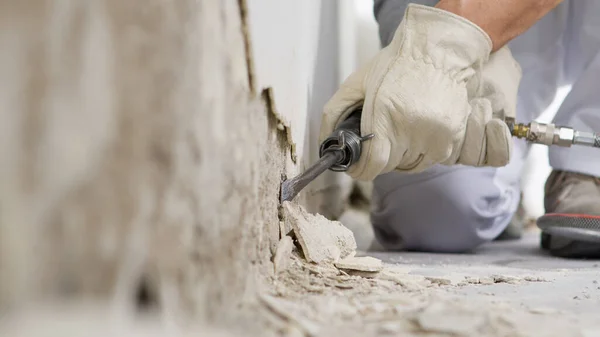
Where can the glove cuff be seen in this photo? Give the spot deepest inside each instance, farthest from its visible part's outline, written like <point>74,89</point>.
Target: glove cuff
<point>448,41</point>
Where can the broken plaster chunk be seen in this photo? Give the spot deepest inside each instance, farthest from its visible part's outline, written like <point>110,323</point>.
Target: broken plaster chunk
<point>486,280</point>
<point>505,279</point>
<point>321,240</point>
<point>365,263</point>
<point>283,253</point>
<point>405,280</point>
<point>281,229</point>
<point>365,274</point>
<point>472,280</point>
<point>439,281</point>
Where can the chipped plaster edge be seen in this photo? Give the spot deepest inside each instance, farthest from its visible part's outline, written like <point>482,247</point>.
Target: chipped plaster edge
<point>283,125</point>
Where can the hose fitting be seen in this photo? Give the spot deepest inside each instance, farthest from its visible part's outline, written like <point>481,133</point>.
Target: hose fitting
<point>550,134</point>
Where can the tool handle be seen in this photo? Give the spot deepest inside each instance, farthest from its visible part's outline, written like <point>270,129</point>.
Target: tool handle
<point>352,123</point>
<point>345,140</point>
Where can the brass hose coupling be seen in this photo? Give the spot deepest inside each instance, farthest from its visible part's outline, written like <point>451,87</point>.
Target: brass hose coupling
<point>550,134</point>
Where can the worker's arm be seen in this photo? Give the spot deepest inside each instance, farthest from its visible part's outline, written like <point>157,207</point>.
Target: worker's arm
<point>502,20</point>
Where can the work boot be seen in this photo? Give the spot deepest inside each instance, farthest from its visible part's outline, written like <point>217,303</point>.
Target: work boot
<point>571,193</point>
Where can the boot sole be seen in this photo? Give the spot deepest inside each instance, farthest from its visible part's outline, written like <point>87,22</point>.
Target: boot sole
<point>578,227</point>
<point>566,248</point>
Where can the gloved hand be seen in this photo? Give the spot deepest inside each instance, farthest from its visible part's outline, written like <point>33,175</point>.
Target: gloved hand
<point>428,98</point>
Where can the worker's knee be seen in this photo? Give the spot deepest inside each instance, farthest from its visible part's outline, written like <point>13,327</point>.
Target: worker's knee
<point>446,210</point>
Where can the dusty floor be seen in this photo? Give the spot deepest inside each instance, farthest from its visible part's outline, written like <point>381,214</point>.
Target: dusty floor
<point>572,285</point>
<point>504,289</point>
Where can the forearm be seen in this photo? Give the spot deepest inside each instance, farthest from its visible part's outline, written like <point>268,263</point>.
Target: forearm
<point>502,20</point>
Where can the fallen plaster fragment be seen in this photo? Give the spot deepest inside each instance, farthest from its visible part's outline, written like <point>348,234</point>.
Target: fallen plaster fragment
<point>321,240</point>
<point>282,124</point>
<point>320,270</point>
<point>486,280</point>
<point>499,279</point>
<point>505,279</point>
<point>365,274</point>
<point>281,230</point>
<point>468,280</point>
<point>439,281</point>
<point>369,307</point>
<point>283,253</point>
<point>443,319</point>
<point>339,284</point>
<point>407,281</point>
<point>365,263</point>
<point>473,280</point>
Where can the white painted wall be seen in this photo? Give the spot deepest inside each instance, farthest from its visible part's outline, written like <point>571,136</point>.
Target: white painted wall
<point>295,48</point>
<point>285,36</point>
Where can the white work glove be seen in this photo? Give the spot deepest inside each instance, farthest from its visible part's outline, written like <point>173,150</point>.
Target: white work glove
<point>428,99</point>
<point>501,77</point>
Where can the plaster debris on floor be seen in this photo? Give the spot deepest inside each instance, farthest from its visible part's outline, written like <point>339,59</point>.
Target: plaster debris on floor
<point>328,288</point>
<point>321,239</point>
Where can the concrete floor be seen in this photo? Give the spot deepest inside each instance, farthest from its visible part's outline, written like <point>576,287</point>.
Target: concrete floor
<point>570,286</point>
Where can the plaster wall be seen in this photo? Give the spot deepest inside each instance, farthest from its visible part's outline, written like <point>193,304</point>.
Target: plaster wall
<point>138,167</point>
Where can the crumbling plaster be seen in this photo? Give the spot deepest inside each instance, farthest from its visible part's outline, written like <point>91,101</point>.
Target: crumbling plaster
<point>141,148</point>
<point>133,151</point>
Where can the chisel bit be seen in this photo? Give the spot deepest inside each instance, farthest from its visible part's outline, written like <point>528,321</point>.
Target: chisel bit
<point>337,153</point>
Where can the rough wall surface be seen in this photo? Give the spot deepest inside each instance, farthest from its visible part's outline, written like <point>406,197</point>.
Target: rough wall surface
<point>133,151</point>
